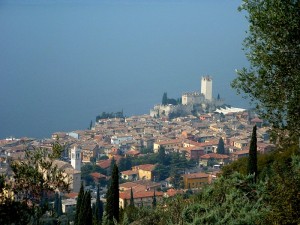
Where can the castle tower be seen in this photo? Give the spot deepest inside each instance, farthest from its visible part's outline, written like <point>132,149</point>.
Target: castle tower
<point>206,87</point>
<point>76,158</point>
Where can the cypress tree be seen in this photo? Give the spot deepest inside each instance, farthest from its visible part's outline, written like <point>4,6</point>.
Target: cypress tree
<point>131,198</point>
<point>98,208</point>
<point>154,200</point>
<point>79,203</point>
<point>252,160</point>
<point>221,147</point>
<point>59,207</point>
<point>86,216</point>
<point>112,204</point>
<point>164,99</point>
<point>56,202</point>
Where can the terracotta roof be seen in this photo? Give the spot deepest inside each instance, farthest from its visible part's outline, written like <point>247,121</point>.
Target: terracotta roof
<point>129,172</point>
<point>172,192</point>
<point>71,195</point>
<point>140,194</point>
<point>215,156</point>
<point>196,175</point>
<point>128,185</point>
<point>104,164</point>
<point>173,141</point>
<point>132,152</point>
<point>146,167</point>
<point>256,120</point>
<point>241,152</point>
<point>97,175</point>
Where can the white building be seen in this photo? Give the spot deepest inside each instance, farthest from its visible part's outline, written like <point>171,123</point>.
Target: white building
<point>76,158</point>
<point>206,87</point>
<point>192,98</point>
<point>116,140</point>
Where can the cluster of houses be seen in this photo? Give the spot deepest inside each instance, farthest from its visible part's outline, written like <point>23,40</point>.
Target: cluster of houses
<point>196,137</point>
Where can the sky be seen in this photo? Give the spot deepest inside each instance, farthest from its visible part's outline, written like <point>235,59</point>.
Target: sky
<point>64,62</point>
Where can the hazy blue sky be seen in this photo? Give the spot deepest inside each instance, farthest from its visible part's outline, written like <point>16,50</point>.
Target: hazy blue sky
<point>62,63</point>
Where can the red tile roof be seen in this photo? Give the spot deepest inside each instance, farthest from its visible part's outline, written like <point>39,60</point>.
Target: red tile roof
<point>140,194</point>
<point>145,167</point>
<point>196,175</point>
<point>214,156</point>
<point>98,175</point>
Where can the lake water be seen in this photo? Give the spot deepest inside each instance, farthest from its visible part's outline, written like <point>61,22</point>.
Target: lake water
<point>63,62</point>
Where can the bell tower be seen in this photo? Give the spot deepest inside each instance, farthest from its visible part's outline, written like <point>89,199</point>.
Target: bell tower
<point>76,158</point>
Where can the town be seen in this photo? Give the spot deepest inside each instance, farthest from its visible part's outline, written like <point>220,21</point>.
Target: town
<point>157,156</point>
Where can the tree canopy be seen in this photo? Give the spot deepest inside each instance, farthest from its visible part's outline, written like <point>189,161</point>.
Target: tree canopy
<point>273,50</point>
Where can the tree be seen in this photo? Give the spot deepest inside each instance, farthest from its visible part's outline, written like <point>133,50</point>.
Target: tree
<point>98,213</point>
<point>273,50</point>
<point>112,204</point>
<point>35,177</point>
<point>78,204</point>
<point>162,158</point>
<point>164,99</point>
<point>91,125</point>
<point>252,160</point>
<point>131,198</point>
<point>85,215</point>
<point>154,200</point>
<point>112,164</point>
<point>59,208</point>
<point>221,147</point>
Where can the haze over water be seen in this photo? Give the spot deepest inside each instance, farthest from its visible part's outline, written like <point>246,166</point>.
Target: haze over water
<point>62,63</point>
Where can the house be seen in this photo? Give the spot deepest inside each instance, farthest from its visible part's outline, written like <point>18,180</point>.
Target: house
<point>68,205</point>
<point>132,153</point>
<point>73,176</point>
<point>194,152</point>
<point>195,180</point>
<point>88,152</point>
<point>140,198</point>
<point>239,154</point>
<point>145,171</point>
<point>256,121</point>
<point>129,175</point>
<point>241,144</point>
<point>217,158</point>
<point>97,177</point>
<point>265,148</point>
<point>169,145</point>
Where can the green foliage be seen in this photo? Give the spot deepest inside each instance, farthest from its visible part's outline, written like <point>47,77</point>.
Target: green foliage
<point>146,150</point>
<point>284,188</point>
<point>91,125</point>
<point>98,213</point>
<point>273,50</point>
<point>106,115</point>
<point>131,198</point>
<point>87,169</point>
<point>85,216</point>
<point>79,204</point>
<point>232,200</point>
<point>57,205</point>
<point>112,204</point>
<point>34,178</point>
<point>252,159</point>
<point>164,99</point>
<point>154,200</point>
<point>221,147</point>
<point>125,164</point>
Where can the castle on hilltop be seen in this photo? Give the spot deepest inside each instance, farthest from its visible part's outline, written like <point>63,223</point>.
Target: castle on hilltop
<point>191,103</point>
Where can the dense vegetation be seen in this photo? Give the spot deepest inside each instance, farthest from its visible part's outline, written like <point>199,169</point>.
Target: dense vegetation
<point>273,50</point>
<point>234,198</point>
<point>105,115</point>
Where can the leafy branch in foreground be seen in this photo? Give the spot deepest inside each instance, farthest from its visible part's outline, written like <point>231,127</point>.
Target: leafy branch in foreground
<point>273,50</point>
